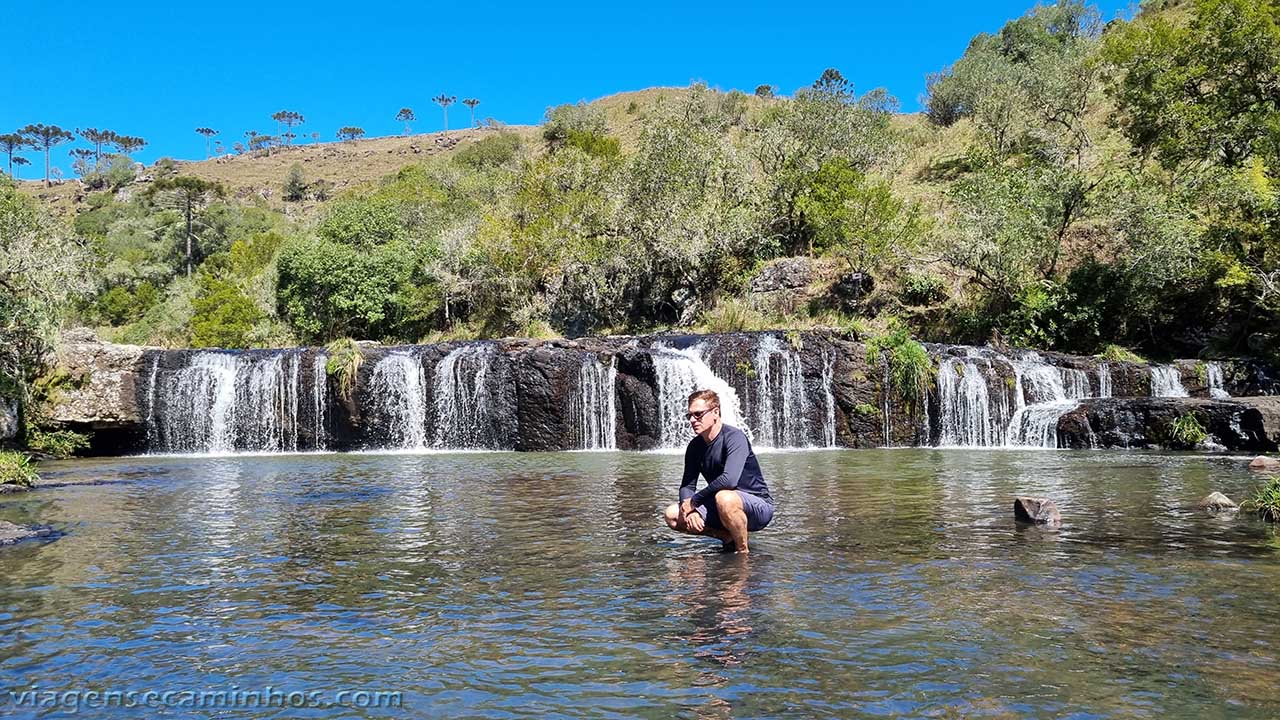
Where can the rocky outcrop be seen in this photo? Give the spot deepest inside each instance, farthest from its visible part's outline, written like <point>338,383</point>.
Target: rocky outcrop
<point>10,533</point>
<point>1216,502</point>
<point>8,420</point>
<point>532,392</point>
<point>1037,511</point>
<point>1250,424</point>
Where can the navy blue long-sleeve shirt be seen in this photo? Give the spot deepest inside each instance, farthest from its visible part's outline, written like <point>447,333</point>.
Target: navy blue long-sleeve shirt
<point>728,463</point>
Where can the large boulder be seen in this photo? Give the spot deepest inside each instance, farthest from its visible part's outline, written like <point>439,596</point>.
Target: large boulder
<point>1037,511</point>
<point>100,387</point>
<point>1262,463</point>
<point>1216,502</point>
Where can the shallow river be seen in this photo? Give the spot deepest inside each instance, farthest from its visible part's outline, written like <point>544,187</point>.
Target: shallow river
<point>891,583</point>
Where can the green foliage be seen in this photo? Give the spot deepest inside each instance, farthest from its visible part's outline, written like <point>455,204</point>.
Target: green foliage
<point>224,317</point>
<point>16,469</point>
<point>327,289</point>
<point>910,369</point>
<point>1185,431</point>
<point>295,184</point>
<point>794,339</point>
<point>1116,353</point>
<point>251,255</point>
<point>866,410</point>
<point>345,359</point>
<point>923,288</point>
<point>490,152</point>
<point>57,444</point>
<point>580,125</point>
<point>1265,501</point>
<point>729,316</point>
<point>367,220</point>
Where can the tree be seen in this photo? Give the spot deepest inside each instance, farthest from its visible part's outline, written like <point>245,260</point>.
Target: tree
<point>98,138</point>
<point>315,137</point>
<point>295,184</point>
<point>350,132</point>
<point>42,269</point>
<point>189,193</point>
<point>208,134</point>
<point>289,120</point>
<point>472,103</point>
<point>19,161</point>
<point>128,144</point>
<point>444,101</point>
<point>765,91</point>
<point>45,137</point>
<point>406,116</point>
<point>224,317</point>
<point>1203,92</point>
<point>80,160</point>
<point>11,143</point>
<point>832,82</point>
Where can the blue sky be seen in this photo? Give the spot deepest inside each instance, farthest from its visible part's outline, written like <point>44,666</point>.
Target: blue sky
<point>159,70</point>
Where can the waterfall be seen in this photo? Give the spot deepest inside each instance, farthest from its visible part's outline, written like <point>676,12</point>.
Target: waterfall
<point>1213,378</point>
<point>1045,393</point>
<point>1166,382</point>
<point>965,416</point>
<point>152,439</point>
<point>829,396</point>
<point>1104,380</point>
<point>782,406</point>
<point>596,404</point>
<point>886,406</point>
<point>319,393</point>
<point>398,386</point>
<point>679,373</point>
<point>199,405</point>
<point>463,405</point>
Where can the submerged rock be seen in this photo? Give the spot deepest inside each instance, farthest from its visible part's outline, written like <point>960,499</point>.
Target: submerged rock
<point>1216,502</point>
<point>1037,511</point>
<point>10,533</point>
<point>1262,463</point>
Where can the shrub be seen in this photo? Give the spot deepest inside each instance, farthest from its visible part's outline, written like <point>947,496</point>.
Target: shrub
<point>923,288</point>
<point>1265,501</point>
<point>344,364</point>
<point>1116,353</point>
<point>493,151</point>
<point>295,184</point>
<point>730,316</point>
<point>910,369</point>
<point>1185,432</point>
<point>15,469</point>
<point>866,409</point>
<point>58,444</point>
<point>224,316</point>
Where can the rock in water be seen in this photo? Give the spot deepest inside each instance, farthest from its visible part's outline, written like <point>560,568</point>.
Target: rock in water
<point>1262,463</point>
<point>1036,511</point>
<point>10,533</point>
<point>1216,502</point>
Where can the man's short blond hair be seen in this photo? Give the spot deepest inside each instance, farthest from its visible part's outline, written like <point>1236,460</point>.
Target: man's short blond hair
<point>708,396</point>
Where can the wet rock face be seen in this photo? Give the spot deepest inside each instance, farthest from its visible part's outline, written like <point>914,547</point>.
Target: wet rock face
<point>10,533</point>
<point>101,391</point>
<point>1250,424</point>
<point>8,420</point>
<point>1037,511</point>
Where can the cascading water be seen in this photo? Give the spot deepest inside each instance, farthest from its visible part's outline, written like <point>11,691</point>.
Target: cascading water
<point>829,396</point>
<point>596,404</point>
<point>782,406</point>
<point>679,373</point>
<point>319,394</point>
<point>463,405</point>
<point>1213,378</point>
<point>1166,382</point>
<point>1047,393</point>
<point>199,405</point>
<point>398,385</point>
<point>152,439</point>
<point>965,416</point>
<point>1104,380</point>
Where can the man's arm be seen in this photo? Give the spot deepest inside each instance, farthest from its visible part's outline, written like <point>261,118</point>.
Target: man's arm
<point>736,451</point>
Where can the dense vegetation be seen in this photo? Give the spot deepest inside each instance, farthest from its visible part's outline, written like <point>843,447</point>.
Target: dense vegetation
<point>1071,185</point>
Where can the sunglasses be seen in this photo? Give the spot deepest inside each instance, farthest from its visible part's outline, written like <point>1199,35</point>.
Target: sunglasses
<point>698,415</point>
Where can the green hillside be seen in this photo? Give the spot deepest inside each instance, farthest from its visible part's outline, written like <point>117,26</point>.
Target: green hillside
<point>1071,186</point>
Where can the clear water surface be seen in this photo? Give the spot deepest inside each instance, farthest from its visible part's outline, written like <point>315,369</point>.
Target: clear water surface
<point>892,583</point>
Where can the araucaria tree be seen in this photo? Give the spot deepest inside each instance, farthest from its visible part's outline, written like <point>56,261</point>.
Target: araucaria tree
<point>445,101</point>
<point>11,143</point>
<point>406,116</point>
<point>45,137</point>
<point>289,120</point>
<point>350,132</point>
<point>208,134</point>
<point>97,138</point>
<point>128,144</point>
<point>189,193</point>
<point>472,103</point>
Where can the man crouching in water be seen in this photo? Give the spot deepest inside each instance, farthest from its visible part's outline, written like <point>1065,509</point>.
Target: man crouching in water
<point>736,500</point>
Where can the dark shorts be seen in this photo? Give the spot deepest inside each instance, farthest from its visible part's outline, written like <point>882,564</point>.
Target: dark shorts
<point>758,511</point>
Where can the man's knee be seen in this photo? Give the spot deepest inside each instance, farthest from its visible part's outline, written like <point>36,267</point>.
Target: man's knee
<point>728,501</point>
<point>672,515</point>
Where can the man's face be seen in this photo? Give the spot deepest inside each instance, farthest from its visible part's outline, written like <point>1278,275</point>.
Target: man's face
<point>701,416</point>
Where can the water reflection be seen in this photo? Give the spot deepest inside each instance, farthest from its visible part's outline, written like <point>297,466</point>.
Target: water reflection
<point>892,582</point>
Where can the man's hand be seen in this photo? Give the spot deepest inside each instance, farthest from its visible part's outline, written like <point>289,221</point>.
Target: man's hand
<point>692,518</point>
